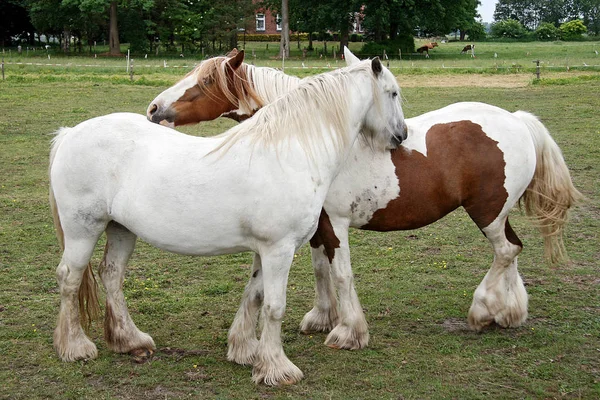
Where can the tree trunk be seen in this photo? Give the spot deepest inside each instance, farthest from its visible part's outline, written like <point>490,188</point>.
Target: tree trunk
<point>113,34</point>
<point>67,39</point>
<point>284,46</point>
<point>463,33</point>
<point>344,39</point>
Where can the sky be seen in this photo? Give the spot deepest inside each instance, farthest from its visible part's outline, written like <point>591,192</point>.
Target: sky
<point>486,10</point>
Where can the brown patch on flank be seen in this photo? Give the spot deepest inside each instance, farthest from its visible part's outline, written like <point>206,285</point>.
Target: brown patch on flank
<point>463,167</point>
<point>325,236</point>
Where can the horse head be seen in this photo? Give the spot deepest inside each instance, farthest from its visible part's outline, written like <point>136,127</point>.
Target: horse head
<point>386,122</point>
<point>202,95</point>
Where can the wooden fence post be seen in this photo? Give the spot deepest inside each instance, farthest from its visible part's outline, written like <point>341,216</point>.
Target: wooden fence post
<point>537,68</point>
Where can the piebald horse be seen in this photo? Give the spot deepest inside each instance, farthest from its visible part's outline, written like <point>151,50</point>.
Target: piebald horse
<point>473,155</point>
<point>258,187</point>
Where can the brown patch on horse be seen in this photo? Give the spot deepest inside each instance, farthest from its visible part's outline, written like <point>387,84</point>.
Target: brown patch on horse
<point>463,167</point>
<point>325,236</point>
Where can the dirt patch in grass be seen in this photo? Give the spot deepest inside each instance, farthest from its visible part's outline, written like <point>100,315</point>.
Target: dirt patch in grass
<point>477,80</point>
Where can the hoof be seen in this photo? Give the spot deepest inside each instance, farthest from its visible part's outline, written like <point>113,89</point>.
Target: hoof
<point>141,356</point>
<point>318,321</point>
<point>348,338</point>
<point>276,374</point>
<point>242,353</point>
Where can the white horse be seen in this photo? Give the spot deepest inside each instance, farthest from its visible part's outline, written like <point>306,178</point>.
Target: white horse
<point>259,186</point>
<point>473,155</point>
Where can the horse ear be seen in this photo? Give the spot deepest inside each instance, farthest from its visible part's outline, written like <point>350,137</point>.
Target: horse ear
<point>350,58</point>
<point>232,53</point>
<point>235,61</point>
<point>376,66</point>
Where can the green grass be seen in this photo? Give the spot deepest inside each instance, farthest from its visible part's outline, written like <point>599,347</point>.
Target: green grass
<point>415,286</point>
<point>512,58</point>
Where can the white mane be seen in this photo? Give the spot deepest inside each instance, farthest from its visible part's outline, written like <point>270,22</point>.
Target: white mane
<point>316,103</point>
<point>269,83</point>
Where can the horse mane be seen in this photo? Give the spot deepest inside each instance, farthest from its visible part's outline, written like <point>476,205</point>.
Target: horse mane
<point>269,83</point>
<point>253,87</point>
<point>317,102</point>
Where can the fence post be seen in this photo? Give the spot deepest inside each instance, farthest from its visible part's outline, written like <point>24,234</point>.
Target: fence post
<point>537,68</point>
<point>131,69</point>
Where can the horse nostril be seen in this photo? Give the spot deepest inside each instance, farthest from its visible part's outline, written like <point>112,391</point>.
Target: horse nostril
<point>152,109</point>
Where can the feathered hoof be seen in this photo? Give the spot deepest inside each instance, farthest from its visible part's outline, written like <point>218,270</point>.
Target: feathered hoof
<point>348,338</point>
<point>479,319</point>
<point>137,343</point>
<point>78,348</point>
<point>242,352</point>
<point>318,321</point>
<point>511,317</point>
<point>280,372</point>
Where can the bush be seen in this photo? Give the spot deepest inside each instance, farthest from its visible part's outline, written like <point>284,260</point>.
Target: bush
<point>547,31</point>
<point>405,43</point>
<point>508,28</point>
<point>572,30</point>
<point>476,32</point>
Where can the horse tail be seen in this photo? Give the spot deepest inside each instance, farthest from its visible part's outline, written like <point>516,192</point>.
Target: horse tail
<point>550,193</point>
<point>89,306</point>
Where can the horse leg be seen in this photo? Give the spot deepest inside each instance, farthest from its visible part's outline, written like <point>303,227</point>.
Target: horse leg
<point>120,332</point>
<point>242,342</point>
<point>352,331</point>
<point>501,296</point>
<point>323,316</point>
<point>271,365</point>
<point>70,341</point>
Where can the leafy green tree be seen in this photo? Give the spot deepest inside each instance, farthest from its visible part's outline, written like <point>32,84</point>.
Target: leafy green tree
<point>572,30</point>
<point>15,22</point>
<point>547,31</point>
<point>508,28</point>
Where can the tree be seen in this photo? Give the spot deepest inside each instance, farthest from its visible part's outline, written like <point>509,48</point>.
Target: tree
<point>572,30</point>
<point>15,22</point>
<point>284,45</point>
<point>547,31</point>
<point>508,28</point>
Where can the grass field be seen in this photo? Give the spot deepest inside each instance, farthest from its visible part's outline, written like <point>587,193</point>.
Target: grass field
<point>491,58</point>
<point>415,287</point>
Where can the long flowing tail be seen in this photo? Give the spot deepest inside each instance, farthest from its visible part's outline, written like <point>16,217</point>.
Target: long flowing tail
<point>551,192</point>
<point>89,306</point>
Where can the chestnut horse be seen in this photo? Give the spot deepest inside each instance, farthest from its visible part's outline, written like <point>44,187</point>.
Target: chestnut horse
<point>473,155</point>
<point>258,187</point>
<point>426,48</point>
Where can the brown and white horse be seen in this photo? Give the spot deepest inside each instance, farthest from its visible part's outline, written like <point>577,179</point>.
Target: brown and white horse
<point>473,155</point>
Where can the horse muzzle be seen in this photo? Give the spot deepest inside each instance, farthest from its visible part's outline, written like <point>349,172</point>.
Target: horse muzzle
<point>399,136</point>
<point>159,115</point>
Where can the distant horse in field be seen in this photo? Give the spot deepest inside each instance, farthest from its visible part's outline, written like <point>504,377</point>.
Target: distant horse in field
<point>426,48</point>
<point>258,187</point>
<point>473,155</point>
<point>468,47</point>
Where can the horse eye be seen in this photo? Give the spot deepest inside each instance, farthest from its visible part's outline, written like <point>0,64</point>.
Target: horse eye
<point>394,94</point>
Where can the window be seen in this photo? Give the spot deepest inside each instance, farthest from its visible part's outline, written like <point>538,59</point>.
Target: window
<point>278,20</point>
<point>260,22</point>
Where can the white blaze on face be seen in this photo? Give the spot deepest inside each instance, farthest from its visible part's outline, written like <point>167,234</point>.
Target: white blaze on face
<point>171,95</point>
